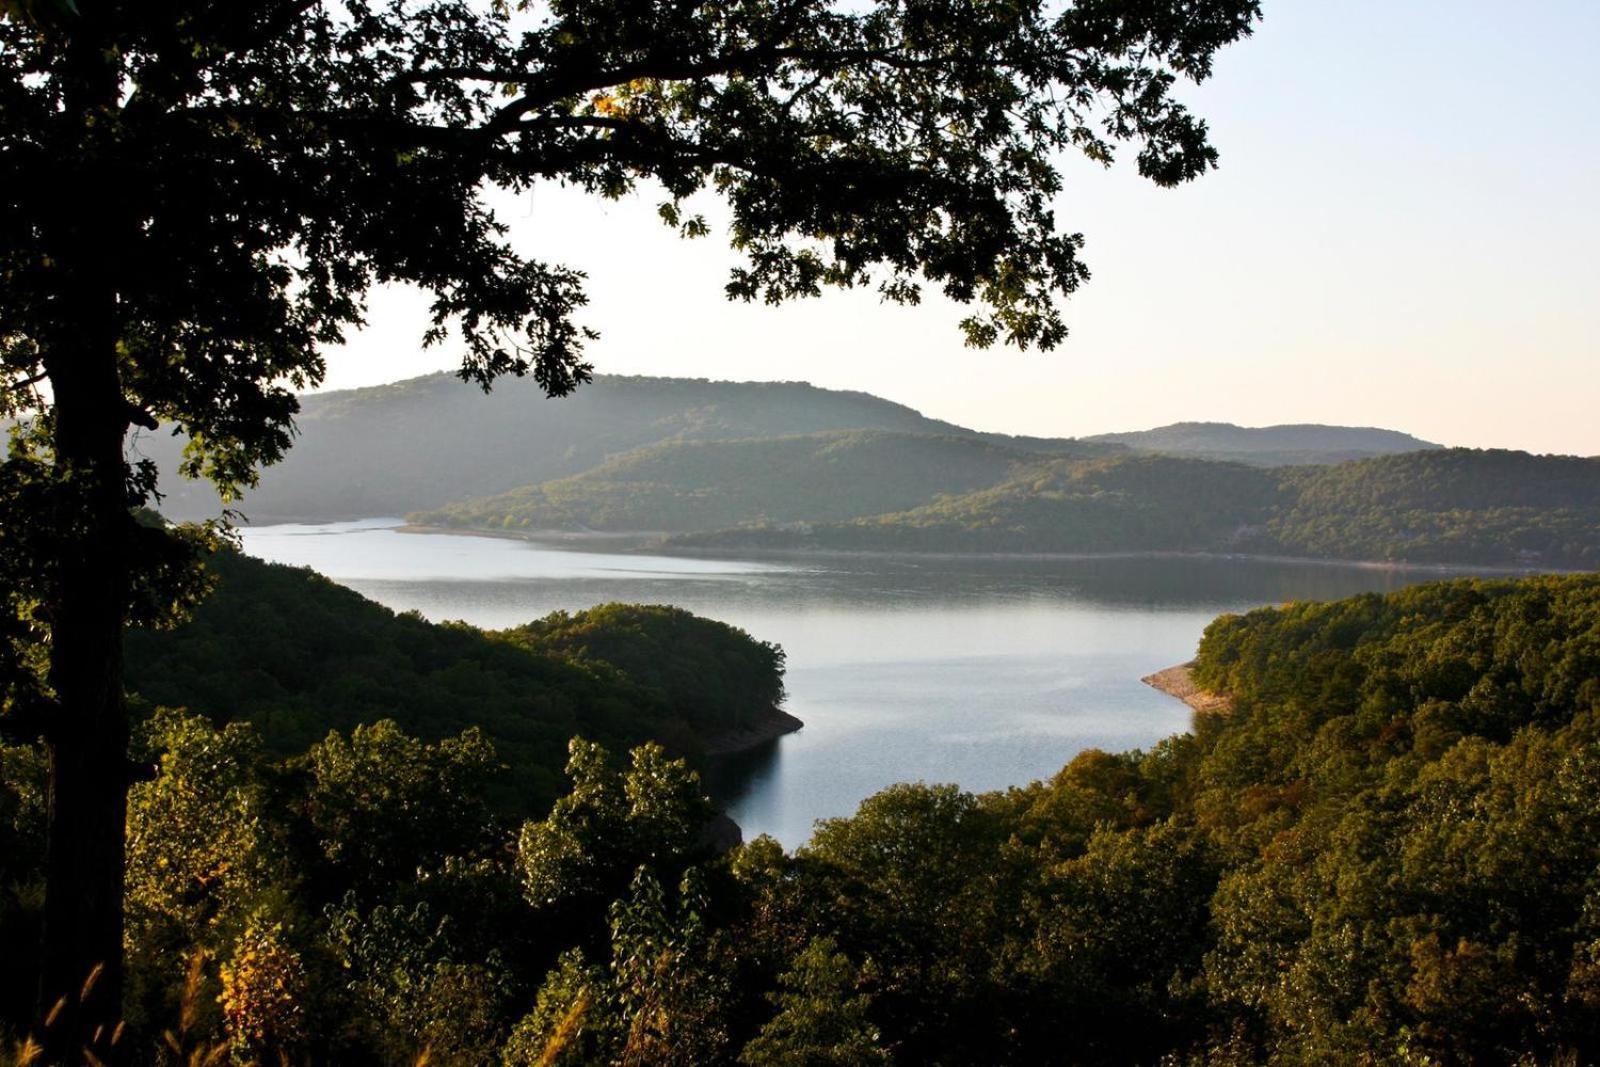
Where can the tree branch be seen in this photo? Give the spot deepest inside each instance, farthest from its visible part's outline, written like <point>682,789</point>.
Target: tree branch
<point>26,383</point>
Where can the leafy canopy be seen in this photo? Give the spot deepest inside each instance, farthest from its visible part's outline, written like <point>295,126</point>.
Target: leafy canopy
<point>257,166</point>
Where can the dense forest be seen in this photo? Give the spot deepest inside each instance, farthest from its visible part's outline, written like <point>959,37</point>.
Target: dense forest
<point>1456,505</point>
<point>430,441</point>
<point>699,485</point>
<point>730,465</point>
<point>1129,503</point>
<point>1447,506</point>
<point>296,655</point>
<point>785,465</point>
<point>422,444</point>
<point>1383,850</point>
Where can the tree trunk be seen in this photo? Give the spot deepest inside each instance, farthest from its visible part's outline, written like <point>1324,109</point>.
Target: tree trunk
<point>87,606</point>
<point>81,977</point>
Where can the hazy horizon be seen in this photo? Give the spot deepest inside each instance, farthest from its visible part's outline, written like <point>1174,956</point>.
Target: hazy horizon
<point>970,426</point>
<point>1399,237</point>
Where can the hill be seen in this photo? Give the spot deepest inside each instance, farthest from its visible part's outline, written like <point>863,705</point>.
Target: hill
<point>1115,504</point>
<point>426,443</point>
<point>704,485</point>
<point>1453,506</point>
<point>1268,446</point>
<point>420,444</point>
<point>298,656</point>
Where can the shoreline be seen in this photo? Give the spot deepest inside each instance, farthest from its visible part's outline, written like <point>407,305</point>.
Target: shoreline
<point>769,725</point>
<point>633,540</point>
<point>1178,682</point>
<point>648,541</point>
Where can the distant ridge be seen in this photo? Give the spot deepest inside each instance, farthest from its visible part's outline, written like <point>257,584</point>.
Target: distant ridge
<point>421,445</point>
<point>426,442</point>
<point>1295,444</point>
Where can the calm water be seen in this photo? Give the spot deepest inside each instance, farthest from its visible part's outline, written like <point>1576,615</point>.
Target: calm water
<point>986,673</point>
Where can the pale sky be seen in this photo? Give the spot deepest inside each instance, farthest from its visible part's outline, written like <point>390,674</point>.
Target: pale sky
<point>1404,233</point>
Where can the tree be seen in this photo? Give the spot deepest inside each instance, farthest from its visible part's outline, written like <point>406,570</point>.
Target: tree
<point>597,866</point>
<point>385,806</point>
<point>581,857</point>
<point>821,1020</point>
<point>196,195</point>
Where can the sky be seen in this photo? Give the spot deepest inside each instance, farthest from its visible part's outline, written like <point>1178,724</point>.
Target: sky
<point>1404,232</point>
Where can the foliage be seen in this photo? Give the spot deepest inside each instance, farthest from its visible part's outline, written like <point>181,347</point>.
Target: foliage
<point>263,985</point>
<point>1444,506</point>
<point>821,1021</point>
<point>1453,505</point>
<point>661,998</point>
<point>421,444</point>
<point>714,675</point>
<point>610,824</point>
<point>385,806</point>
<point>195,199</point>
<point>666,990</point>
<point>297,656</point>
<point>208,860</point>
<point>271,166</point>
<point>415,979</point>
<point>22,843</point>
<point>1127,503</point>
<point>682,486</point>
<point>1405,781</point>
<point>243,864</point>
<point>1383,851</point>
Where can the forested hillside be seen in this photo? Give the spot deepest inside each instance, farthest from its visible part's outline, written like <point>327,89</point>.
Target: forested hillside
<point>854,471</point>
<point>1268,446</point>
<point>1382,850</point>
<point>297,656</point>
<point>1453,505</point>
<point>1450,506</point>
<point>696,485</point>
<point>1134,503</point>
<point>430,441</point>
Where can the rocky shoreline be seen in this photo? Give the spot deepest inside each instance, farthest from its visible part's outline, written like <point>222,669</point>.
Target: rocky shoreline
<point>769,725</point>
<point>1179,682</point>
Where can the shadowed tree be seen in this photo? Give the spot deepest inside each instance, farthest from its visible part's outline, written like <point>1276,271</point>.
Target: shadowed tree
<point>821,1020</point>
<point>196,194</point>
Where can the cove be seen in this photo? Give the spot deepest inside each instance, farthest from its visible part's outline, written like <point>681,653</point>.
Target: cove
<point>985,672</point>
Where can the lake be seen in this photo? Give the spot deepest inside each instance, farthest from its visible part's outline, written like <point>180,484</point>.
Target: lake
<point>983,672</point>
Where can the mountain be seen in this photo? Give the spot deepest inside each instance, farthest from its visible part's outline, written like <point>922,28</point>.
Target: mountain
<point>786,464</point>
<point>429,442</point>
<point>1268,446</point>
<point>704,485</point>
<point>1452,506</point>
<point>434,440</point>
